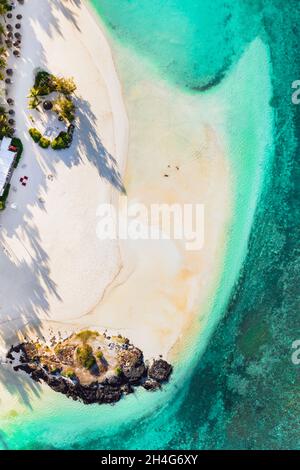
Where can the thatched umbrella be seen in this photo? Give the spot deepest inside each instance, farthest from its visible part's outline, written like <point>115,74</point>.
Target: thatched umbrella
<point>11,112</point>
<point>10,101</point>
<point>11,122</point>
<point>8,42</point>
<point>47,105</point>
<point>10,35</point>
<point>16,53</point>
<point>18,26</point>
<point>17,43</point>
<point>9,27</point>
<point>10,72</point>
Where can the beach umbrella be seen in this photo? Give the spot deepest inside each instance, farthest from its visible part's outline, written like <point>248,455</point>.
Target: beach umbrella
<point>10,35</point>
<point>8,43</point>
<point>19,16</point>
<point>11,112</point>
<point>9,27</point>
<point>10,72</point>
<point>47,105</point>
<point>16,53</point>
<point>8,81</point>
<point>18,25</point>
<point>18,35</point>
<point>10,101</point>
<point>9,15</point>
<point>11,122</point>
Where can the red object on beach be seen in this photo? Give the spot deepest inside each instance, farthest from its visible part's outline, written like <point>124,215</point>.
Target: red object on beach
<point>26,178</point>
<point>21,180</point>
<point>23,184</point>
<point>12,148</point>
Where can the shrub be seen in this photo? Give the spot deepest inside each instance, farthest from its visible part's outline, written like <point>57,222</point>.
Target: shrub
<point>19,145</point>
<point>69,373</point>
<point>44,142</point>
<point>63,85</point>
<point>99,355</point>
<point>118,371</point>
<point>4,197</point>
<point>86,335</point>
<point>44,83</point>
<point>35,134</point>
<point>64,108</point>
<point>85,356</point>
<point>62,141</point>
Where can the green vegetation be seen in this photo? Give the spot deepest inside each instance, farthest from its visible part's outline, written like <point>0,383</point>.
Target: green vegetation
<point>64,107</point>
<point>5,129</point>
<point>66,86</point>
<point>4,7</point>
<point>34,98</point>
<point>99,355</point>
<point>58,348</point>
<point>4,197</point>
<point>43,84</point>
<point>35,134</point>
<point>19,145</point>
<point>61,142</point>
<point>44,142</point>
<point>118,371</point>
<point>69,373</point>
<point>85,335</point>
<point>85,357</point>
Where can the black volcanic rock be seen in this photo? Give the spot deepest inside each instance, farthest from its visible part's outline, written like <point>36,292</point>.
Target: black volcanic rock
<point>160,370</point>
<point>151,385</point>
<point>24,367</point>
<point>133,366</point>
<point>126,389</point>
<point>115,380</point>
<point>59,369</point>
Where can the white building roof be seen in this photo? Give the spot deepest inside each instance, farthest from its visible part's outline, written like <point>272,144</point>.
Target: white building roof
<point>6,161</point>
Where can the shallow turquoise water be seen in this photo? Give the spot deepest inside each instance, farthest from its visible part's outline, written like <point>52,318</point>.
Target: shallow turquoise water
<point>243,388</point>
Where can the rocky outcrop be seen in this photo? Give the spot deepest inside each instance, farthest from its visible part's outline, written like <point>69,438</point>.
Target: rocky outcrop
<point>160,370</point>
<point>151,385</point>
<point>132,364</point>
<point>44,364</point>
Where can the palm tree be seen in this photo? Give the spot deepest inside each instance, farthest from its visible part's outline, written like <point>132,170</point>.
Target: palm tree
<point>34,100</point>
<point>2,32</point>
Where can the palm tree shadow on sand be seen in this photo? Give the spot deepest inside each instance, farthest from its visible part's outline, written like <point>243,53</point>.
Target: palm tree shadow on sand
<point>88,141</point>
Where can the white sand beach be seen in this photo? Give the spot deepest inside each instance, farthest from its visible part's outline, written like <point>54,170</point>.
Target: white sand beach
<point>53,267</point>
<point>55,273</point>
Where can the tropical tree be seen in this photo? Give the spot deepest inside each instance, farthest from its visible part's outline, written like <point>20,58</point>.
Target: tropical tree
<point>63,85</point>
<point>65,108</point>
<point>34,99</point>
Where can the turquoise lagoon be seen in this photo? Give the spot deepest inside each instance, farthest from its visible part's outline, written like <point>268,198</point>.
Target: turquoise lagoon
<point>236,386</point>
